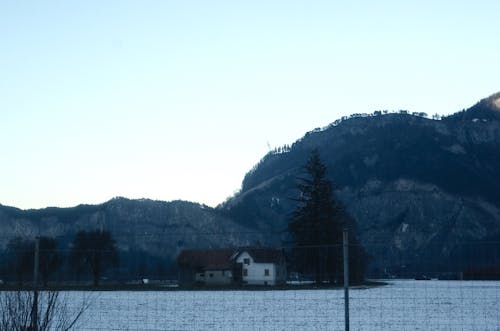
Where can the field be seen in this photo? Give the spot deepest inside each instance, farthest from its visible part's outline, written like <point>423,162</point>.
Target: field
<point>401,305</point>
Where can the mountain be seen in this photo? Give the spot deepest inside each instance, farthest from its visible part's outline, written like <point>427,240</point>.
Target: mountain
<point>157,228</point>
<point>418,188</point>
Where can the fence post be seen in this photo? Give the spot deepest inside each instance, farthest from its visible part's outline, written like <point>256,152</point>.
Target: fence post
<point>346,279</point>
<point>34,312</point>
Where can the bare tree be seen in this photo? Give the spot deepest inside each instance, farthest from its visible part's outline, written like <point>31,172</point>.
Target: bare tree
<point>95,250</point>
<point>16,311</point>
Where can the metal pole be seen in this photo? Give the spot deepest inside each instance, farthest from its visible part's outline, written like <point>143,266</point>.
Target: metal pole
<point>34,312</point>
<point>346,279</point>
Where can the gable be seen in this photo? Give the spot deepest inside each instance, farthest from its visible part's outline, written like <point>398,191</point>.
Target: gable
<point>242,256</point>
<point>261,255</point>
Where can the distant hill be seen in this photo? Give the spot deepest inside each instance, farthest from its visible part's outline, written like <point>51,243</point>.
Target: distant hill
<point>157,228</point>
<point>418,188</point>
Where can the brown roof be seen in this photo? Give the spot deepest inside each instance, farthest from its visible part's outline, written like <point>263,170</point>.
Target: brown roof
<point>222,258</point>
<point>207,259</point>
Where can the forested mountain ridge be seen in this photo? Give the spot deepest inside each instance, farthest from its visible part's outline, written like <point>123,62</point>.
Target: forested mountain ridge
<point>375,144</point>
<point>416,186</point>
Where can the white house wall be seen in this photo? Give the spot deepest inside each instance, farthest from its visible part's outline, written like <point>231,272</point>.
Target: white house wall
<point>256,271</point>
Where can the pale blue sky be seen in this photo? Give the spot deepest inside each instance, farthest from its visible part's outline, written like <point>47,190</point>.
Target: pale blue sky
<point>179,99</point>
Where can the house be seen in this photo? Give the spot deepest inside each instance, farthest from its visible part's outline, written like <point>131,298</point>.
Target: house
<point>261,266</point>
<point>252,266</point>
<point>205,266</point>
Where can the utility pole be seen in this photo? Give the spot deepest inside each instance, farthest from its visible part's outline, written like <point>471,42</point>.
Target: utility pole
<point>34,311</point>
<point>346,279</point>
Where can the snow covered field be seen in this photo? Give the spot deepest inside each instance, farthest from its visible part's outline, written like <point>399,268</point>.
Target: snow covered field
<point>402,305</point>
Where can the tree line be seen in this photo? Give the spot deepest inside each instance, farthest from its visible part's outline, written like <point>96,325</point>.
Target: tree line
<point>91,252</point>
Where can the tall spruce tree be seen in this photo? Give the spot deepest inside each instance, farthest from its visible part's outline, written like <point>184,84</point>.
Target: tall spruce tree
<point>316,227</point>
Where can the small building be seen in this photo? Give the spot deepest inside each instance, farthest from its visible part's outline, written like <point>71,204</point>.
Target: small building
<point>252,266</point>
<point>205,266</point>
<point>261,266</point>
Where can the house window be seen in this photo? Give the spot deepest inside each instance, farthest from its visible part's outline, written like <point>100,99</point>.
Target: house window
<point>210,275</point>
<point>266,272</point>
<point>246,261</point>
<point>245,272</point>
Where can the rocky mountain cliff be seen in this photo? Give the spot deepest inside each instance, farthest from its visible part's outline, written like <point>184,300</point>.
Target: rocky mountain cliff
<point>418,188</point>
<point>157,228</point>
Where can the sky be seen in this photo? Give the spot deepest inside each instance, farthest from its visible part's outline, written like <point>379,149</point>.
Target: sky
<point>172,100</point>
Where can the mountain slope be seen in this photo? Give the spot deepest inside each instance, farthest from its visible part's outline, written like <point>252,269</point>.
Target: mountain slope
<point>156,227</point>
<point>417,187</point>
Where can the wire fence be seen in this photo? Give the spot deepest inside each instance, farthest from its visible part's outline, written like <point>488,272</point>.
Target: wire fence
<point>255,288</point>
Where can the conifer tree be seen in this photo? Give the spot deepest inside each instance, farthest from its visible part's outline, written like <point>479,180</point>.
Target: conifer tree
<point>316,227</point>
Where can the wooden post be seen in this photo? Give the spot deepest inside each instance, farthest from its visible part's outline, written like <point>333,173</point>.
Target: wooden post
<point>346,279</point>
<point>34,311</point>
